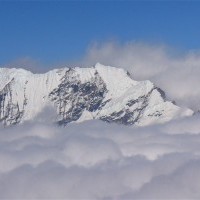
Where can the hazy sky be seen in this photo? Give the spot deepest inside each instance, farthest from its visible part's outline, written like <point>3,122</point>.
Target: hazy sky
<point>54,32</point>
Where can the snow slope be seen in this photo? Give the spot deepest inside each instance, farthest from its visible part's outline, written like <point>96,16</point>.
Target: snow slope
<point>78,94</point>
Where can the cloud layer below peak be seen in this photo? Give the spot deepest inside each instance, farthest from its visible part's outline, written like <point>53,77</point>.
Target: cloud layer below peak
<point>96,160</point>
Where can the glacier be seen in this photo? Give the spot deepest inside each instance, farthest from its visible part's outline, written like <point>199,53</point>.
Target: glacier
<point>78,94</point>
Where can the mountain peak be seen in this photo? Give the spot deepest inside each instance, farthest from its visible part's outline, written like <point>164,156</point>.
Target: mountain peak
<point>78,94</point>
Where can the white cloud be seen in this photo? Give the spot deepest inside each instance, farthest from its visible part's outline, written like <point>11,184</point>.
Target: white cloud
<point>176,73</point>
<point>96,160</point>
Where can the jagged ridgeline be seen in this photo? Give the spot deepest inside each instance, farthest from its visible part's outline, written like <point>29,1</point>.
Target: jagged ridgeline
<point>78,94</point>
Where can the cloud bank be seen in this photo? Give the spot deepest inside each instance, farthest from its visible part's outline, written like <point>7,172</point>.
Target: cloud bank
<point>176,73</point>
<point>96,160</point>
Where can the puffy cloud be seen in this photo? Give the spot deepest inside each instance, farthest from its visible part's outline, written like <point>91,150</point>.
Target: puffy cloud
<point>177,73</point>
<point>96,160</point>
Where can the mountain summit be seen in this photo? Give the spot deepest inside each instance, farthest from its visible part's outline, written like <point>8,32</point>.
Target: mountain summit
<point>78,94</point>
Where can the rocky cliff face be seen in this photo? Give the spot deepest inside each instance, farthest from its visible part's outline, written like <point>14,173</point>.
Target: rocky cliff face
<point>79,94</point>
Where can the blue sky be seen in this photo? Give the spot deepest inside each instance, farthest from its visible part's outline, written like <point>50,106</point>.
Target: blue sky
<point>52,32</point>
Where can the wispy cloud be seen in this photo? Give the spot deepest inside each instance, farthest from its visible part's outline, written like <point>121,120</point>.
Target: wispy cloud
<point>27,63</point>
<point>176,73</point>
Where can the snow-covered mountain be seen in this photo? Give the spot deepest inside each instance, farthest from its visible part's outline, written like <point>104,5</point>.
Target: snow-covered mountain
<point>78,94</point>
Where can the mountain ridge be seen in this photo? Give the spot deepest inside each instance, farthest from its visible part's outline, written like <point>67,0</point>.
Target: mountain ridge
<point>78,94</point>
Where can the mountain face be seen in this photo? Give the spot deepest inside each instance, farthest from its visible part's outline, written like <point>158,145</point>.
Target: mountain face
<point>79,94</point>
